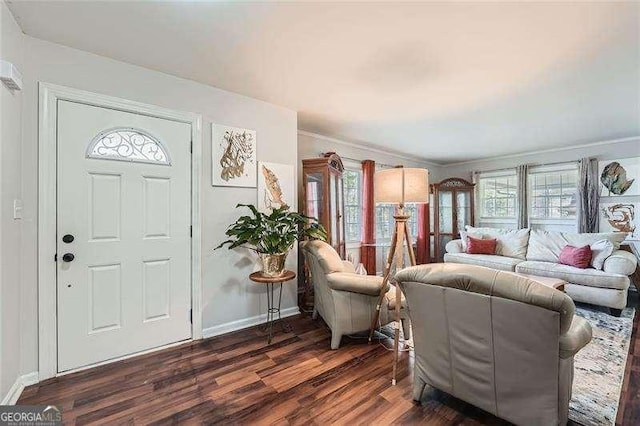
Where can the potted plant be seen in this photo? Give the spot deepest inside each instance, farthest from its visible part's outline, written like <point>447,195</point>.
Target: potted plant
<point>272,235</point>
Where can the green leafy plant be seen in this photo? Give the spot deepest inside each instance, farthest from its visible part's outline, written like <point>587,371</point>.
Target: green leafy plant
<point>272,233</point>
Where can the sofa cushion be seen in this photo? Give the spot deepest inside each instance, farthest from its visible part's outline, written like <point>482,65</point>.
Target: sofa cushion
<point>588,277</point>
<point>610,297</point>
<point>600,251</point>
<point>545,246</point>
<point>620,262</point>
<point>464,237</point>
<point>511,242</point>
<point>454,246</point>
<point>580,257</point>
<point>481,246</point>
<point>488,260</point>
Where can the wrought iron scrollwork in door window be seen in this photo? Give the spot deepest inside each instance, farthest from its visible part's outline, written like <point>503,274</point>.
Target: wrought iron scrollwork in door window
<point>128,144</point>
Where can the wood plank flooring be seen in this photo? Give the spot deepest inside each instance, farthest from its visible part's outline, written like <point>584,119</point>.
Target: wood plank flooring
<point>629,408</point>
<point>238,379</point>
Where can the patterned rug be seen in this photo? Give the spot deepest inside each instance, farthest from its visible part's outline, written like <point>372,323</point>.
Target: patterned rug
<point>599,368</point>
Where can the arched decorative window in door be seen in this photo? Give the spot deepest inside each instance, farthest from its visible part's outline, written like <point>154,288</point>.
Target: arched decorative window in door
<point>128,144</point>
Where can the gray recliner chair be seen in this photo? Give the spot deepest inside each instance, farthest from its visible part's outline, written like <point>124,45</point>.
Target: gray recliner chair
<point>494,339</point>
<point>346,300</point>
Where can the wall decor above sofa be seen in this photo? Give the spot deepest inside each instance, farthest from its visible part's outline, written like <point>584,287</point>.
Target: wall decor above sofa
<point>620,217</point>
<point>620,177</point>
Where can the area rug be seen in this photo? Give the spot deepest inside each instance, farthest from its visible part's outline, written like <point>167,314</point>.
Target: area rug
<point>599,368</point>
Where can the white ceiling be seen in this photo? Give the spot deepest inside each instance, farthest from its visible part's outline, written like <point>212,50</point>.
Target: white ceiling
<point>442,81</point>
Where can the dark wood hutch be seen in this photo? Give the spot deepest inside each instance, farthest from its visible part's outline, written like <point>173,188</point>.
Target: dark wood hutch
<point>453,208</point>
<point>322,198</point>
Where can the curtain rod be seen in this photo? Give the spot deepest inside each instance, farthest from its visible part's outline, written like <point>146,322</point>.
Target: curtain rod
<point>528,164</point>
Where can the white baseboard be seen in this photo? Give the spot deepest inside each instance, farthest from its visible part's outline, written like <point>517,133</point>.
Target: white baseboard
<point>16,390</point>
<point>228,327</point>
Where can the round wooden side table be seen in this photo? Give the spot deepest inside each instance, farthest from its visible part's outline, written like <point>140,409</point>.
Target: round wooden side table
<point>257,277</point>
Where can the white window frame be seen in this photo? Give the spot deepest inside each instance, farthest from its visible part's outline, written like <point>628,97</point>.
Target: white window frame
<point>353,243</point>
<point>480,209</point>
<point>543,169</point>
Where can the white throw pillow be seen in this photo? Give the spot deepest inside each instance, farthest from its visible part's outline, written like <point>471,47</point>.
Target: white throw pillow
<point>463,238</point>
<point>510,242</point>
<point>600,250</point>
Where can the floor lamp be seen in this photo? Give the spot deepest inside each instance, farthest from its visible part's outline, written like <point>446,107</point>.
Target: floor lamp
<point>398,186</point>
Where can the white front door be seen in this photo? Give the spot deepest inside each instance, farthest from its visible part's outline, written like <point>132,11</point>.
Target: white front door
<point>123,233</point>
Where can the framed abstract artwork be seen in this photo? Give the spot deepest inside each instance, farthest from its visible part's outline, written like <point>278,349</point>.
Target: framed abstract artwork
<point>619,177</point>
<point>620,217</point>
<point>276,186</point>
<point>233,153</point>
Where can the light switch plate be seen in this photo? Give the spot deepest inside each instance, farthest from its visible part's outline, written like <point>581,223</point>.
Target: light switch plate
<point>17,209</point>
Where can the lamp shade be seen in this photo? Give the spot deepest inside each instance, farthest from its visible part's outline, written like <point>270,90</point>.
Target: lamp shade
<point>401,185</point>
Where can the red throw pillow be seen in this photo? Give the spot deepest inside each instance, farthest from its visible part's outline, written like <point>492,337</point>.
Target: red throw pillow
<point>478,246</point>
<point>580,257</point>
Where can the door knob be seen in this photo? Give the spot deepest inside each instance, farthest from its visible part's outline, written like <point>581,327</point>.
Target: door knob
<point>68,257</point>
<point>68,238</point>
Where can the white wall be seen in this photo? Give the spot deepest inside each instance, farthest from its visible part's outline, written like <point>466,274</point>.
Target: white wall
<point>11,49</point>
<point>228,295</point>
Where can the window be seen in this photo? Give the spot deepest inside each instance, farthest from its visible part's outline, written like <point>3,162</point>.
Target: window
<point>352,188</point>
<point>551,197</point>
<point>412,211</point>
<point>498,194</point>
<point>553,192</point>
<point>127,144</point>
<point>385,223</point>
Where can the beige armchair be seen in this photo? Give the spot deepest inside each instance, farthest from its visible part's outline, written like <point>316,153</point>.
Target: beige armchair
<point>345,300</point>
<point>494,339</point>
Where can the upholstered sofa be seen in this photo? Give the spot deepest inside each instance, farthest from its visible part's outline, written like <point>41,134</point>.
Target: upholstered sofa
<point>346,300</point>
<point>495,339</point>
<point>536,252</point>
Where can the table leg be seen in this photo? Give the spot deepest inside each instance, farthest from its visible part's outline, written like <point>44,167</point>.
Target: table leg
<point>270,310</point>
<point>286,327</point>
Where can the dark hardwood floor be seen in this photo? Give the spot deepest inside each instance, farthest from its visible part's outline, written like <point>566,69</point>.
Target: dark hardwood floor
<point>238,379</point>
<point>629,408</point>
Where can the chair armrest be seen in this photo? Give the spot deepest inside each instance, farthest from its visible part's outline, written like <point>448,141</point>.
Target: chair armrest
<point>454,246</point>
<point>354,283</point>
<point>576,338</point>
<point>348,267</point>
<point>620,262</point>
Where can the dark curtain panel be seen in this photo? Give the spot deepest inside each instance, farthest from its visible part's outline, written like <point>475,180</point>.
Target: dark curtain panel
<point>522,213</point>
<point>368,249</point>
<point>588,195</point>
<point>422,239</point>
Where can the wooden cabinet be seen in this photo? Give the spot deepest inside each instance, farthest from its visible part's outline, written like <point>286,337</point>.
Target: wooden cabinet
<point>323,197</point>
<point>452,201</point>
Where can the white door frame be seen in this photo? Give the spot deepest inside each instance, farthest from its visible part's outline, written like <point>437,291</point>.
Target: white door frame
<point>49,95</point>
